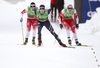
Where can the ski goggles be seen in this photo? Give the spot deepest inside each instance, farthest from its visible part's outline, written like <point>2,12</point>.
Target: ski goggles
<point>69,8</point>
<point>32,6</point>
<point>42,8</point>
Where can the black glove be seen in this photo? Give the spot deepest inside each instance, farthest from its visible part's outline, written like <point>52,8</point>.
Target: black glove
<point>77,26</point>
<point>61,26</point>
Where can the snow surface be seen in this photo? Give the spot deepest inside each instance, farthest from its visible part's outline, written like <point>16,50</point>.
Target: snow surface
<point>50,55</point>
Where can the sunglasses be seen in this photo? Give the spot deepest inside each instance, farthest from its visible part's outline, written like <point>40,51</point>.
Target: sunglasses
<point>42,8</point>
<point>32,6</point>
<point>70,8</point>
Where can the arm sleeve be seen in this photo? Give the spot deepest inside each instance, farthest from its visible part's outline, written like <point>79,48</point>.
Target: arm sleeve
<point>60,15</point>
<point>24,11</point>
<point>76,16</point>
<point>49,10</point>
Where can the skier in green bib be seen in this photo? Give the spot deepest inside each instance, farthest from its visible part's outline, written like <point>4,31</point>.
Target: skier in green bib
<point>66,18</point>
<point>42,15</point>
<point>31,21</point>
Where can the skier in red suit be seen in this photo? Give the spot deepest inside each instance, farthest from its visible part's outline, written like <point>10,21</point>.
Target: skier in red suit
<point>31,21</point>
<point>66,18</point>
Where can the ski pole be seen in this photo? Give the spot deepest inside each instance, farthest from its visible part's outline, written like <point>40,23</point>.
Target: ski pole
<point>22,31</point>
<point>58,34</point>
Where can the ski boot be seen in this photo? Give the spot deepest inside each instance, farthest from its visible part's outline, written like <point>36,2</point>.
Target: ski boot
<point>63,45</point>
<point>78,44</point>
<point>39,43</point>
<point>33,41</point>
<point>69,42</point>
<point>26,41</point>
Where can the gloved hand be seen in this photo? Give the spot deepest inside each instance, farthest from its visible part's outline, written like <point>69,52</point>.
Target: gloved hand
<point>77,26</point>
<point>61,26</point>
<point>21,20</point>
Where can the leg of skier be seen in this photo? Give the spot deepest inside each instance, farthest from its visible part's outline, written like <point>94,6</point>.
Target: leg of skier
<point>27,31</point>
<point>34,25</point>
<point>40,25</point>
<point>66,24</point>
<point>50,28</point>
<point>52,12</point>
<point>72,25</point>
<point>55,13</point>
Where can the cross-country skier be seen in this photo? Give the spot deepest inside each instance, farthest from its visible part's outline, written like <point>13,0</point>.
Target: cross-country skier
<point>67,19</point>
<point>42,15</point>
<point>31,21</point>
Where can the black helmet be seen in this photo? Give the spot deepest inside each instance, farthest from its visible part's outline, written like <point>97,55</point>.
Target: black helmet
<point>32,4</point>
<point>42,7</point>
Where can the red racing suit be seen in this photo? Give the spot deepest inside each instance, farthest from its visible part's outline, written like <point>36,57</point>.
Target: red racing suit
<point>30,20</point>
<point>68,22</point>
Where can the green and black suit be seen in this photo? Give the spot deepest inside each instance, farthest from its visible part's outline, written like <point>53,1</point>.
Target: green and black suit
<point>46,24</point>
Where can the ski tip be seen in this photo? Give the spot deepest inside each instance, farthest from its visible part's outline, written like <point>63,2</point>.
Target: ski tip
<point>83,45</point>
<point>20,44</point>
<point>87,45</point>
